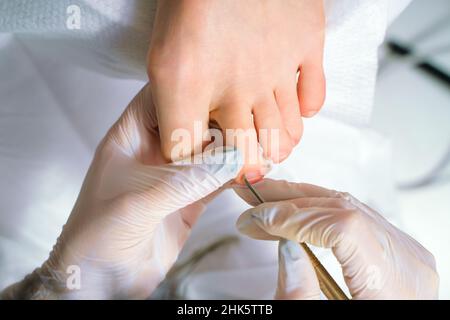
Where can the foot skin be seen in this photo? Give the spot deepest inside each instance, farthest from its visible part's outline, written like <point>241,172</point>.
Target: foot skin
<point>236,62</point>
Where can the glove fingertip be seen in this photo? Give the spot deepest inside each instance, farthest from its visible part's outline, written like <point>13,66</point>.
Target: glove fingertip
<point>291,250</point>
<point>225,163</point>
<point>296,276</point>
<point>248,224</point>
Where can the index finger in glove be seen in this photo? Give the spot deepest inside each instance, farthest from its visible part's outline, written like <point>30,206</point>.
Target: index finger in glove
<point>171,187</point>
<point>319,221</point>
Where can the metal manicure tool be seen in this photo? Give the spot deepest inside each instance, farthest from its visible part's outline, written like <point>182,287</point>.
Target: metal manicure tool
<point>328,285</point>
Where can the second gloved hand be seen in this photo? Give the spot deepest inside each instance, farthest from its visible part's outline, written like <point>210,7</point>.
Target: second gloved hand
<point>378,260</point>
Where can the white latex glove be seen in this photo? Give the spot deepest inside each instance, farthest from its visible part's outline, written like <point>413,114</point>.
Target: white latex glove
<point>132,216</point>
<point>378,260</point>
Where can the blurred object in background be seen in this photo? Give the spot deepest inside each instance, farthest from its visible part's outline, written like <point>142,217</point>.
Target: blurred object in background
<point>412,108</point>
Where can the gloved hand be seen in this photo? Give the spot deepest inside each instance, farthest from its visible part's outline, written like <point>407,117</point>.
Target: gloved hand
<point>132,216</point>
<point>378,260</point>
